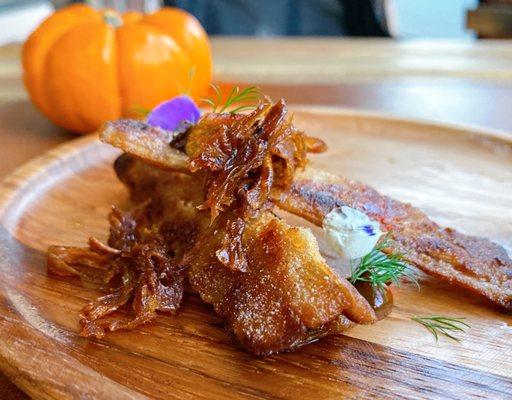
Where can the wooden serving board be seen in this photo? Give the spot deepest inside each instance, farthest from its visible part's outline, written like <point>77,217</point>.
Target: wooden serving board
<point>460,177</point>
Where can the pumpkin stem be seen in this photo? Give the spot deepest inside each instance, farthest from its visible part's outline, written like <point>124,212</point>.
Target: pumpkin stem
<point>113,18</point>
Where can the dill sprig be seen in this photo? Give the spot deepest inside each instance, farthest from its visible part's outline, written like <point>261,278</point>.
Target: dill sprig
<point>380,269</point>
<point>236,101</point>
<point>442,325</point>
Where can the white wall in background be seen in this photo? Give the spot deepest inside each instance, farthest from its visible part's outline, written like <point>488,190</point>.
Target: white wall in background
<point>429,18</point>
<point>17,22</point>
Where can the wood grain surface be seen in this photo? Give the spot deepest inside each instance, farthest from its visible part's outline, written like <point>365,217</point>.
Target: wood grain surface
<point>453,174</point>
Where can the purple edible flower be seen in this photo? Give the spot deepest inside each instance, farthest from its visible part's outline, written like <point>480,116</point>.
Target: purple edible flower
<point>174,115</point>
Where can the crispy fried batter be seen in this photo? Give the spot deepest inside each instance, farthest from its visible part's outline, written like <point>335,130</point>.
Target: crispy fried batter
<point>287,292</point>
<point>474,263</point>
<point>287,297</point>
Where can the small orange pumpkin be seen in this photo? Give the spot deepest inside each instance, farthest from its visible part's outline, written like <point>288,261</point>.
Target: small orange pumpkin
<point>84,66</point>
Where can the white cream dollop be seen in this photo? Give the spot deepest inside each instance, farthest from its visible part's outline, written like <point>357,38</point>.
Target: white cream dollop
<point>350,232</point>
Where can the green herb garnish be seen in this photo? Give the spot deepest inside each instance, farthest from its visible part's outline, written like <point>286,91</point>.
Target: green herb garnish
<point>442,325</point>
<point>251,95</point>
<point>380,269</point>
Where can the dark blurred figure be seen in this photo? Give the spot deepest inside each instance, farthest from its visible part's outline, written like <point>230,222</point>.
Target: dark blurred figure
<point>288,17</point>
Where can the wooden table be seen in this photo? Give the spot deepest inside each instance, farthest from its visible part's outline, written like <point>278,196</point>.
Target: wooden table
<point>454,82</point>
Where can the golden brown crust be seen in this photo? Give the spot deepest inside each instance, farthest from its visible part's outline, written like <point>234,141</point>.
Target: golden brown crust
<point>287,293</point>
<point>287,298</point>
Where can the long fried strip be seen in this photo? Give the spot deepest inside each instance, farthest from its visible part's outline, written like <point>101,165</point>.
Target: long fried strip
<point>146,142</point>
<point>473,263</point>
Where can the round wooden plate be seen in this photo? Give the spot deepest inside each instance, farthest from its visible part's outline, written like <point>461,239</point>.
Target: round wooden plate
<point>460,177</point>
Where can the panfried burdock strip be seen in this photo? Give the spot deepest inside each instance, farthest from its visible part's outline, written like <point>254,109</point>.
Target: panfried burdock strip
<point>146,142</point>
<point>473,263</point>
<point>288,297</point>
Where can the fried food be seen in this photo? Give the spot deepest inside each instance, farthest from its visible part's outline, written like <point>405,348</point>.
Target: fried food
<point>166,192</point>
<point>473,263</point>
<point>139,265</point>
<point>287,294</point>
<point>241,158</point>
<point>288,297</point>
<point>214,228</point>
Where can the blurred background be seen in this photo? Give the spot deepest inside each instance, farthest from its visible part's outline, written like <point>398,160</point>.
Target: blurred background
<point>400,19</point>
